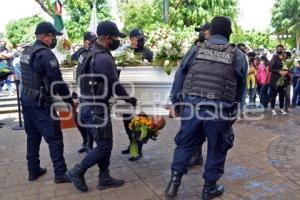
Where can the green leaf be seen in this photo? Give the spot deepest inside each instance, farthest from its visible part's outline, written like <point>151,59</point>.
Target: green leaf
<point>143,132</point>
<point>134,152</point>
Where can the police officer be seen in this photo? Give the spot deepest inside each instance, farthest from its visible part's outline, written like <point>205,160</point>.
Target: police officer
<point>197,158</point>
<point>95,113</point>
<point>89,38</point>
<point>203,32</point>
<point>209,82</point>
<point>40,70</point>
<point>137,40</point>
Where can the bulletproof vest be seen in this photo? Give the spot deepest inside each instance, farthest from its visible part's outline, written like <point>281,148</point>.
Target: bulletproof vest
<point>30,79</point>
<point>90,84</point>
<point>82,58</point>
<point>211,74</point>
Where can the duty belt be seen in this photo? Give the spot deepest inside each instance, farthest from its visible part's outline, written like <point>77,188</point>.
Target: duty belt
<point>32,93</point>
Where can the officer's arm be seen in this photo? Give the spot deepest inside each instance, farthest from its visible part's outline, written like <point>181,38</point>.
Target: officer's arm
<point>51,67</point>
<point>105,65</point>
<point>180,75</point>
<point>148,55</point>
<point>240,65</point>
<point>74,56</point>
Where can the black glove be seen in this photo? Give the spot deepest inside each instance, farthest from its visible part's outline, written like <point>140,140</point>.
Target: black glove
<point>131,100</point>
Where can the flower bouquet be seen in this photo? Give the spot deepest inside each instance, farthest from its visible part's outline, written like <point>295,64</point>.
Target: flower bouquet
<point>144,128</point>
<point>287,65</point>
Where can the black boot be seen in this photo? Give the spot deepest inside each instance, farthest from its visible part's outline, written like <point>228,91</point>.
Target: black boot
<point>76,175</point>
<point>197,158</point>
<point>36,175</point>
<point>173,186</point>
<point>82,148</point>
<point>126,151</point>
<point>196,161</point>
<point>106,181</point>
<point>63,179</point>
<point>212,190</point>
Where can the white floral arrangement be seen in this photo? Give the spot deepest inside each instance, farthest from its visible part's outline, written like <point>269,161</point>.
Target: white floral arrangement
<point>169,46</point>
<point>127,57</point>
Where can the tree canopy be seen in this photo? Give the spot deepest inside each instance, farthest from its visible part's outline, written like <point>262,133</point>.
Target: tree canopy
<point>22,30</point>
<point>286,18</point>
<point>182,13</point>
<point>195,12</point>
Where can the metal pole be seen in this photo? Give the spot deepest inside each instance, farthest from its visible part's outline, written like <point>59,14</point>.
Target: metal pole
<point>166,11</point>
<point>20,127</point>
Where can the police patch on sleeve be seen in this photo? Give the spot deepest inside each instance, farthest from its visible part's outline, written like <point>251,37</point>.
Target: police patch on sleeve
<point>53,63</point>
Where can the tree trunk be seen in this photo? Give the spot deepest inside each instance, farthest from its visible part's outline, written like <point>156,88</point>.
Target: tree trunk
<point>44,8</point>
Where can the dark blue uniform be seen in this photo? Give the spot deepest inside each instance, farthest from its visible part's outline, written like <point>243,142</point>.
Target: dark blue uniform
<point>103,65</point>
<point>38,122</point>
<point>218,131</point>
<point>76,54</point>
<point>146,53</point>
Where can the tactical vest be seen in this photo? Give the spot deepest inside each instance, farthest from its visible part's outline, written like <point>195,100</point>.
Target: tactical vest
<point>82,58</point>
<point>31,80</point>
<point>211,74</point>
<point>90,85</point>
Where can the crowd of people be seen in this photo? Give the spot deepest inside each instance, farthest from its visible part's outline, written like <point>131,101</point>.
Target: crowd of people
<point>9,58</point>
<point>269,77</point>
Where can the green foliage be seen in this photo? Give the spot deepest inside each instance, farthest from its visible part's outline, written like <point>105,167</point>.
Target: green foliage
<point>253,39</point>
<point>286,14</point>
<point>195,12</point>
<point>140,13</point>
<point>80,13</point>
<point>286,19</point>
<point>22,30</point>
<point>148,15</point>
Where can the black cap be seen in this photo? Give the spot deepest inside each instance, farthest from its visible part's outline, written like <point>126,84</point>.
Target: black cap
<point>90,36</point>
<point>205,27</point>
<point>220,25</point>
<point>46,27</point>
<point>109,28</point>
<point>136,33</point>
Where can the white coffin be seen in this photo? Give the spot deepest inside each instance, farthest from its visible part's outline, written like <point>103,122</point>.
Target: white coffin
<point>149,84</point>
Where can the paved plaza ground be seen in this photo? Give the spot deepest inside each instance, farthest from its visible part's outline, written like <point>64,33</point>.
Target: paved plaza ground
<point>263,164</point>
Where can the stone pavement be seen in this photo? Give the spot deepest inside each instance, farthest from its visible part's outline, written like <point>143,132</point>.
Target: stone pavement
<point>264,164</point>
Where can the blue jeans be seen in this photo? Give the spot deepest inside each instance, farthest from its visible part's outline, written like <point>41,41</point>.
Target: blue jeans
<point>264,95</point>
<point>251,93</point>
<point>296,95</point>
<point>192,134</point>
